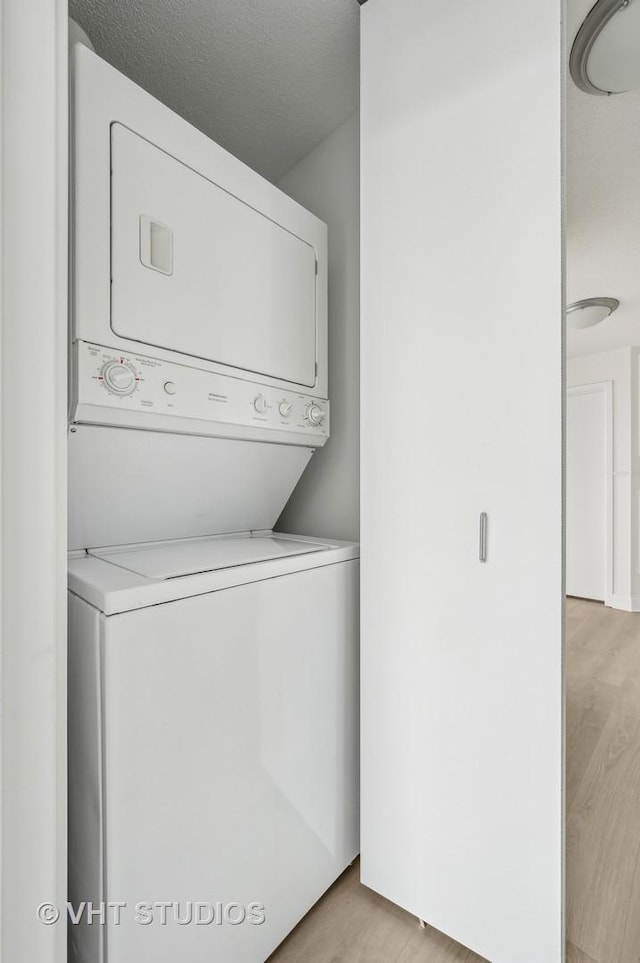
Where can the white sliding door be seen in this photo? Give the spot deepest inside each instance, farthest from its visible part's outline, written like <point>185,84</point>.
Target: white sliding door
<point>462,690</point>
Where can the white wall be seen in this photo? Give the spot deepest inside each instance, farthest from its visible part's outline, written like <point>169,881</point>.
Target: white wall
<point>326,500</point>
<point>616,366</point>
<point>33,395</point>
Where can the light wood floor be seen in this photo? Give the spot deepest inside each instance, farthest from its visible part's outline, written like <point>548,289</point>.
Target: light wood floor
<point>353,925</point>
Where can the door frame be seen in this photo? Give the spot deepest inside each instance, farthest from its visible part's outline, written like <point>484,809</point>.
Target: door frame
<point>33,423</point>
<point>605,389</point>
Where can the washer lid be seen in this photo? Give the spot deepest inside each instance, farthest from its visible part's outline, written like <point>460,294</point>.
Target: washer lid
<point>191,556</point>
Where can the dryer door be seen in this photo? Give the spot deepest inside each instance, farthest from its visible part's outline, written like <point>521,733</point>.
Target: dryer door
<point>197,271</point>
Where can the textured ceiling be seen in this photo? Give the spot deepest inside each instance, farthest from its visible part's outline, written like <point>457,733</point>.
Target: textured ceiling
<point>603,208</point>
<point>267,79</point>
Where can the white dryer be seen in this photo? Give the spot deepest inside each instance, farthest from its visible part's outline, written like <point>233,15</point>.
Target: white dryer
<point>213,743</point>
<point>199,290</point>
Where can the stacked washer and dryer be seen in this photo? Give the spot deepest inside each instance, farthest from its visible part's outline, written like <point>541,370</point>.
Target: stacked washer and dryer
<point>213,663</point>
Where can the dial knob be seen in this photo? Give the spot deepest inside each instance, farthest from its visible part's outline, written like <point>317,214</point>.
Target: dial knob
<point>260,404</point>
<point>119,378</point>
<point>315,415</point>
<point>285,408</point>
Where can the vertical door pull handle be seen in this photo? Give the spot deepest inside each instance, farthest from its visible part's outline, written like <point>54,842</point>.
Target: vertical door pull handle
<point>483,537</point>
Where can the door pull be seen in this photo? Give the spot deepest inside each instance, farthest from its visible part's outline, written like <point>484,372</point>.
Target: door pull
<point>483,537</point>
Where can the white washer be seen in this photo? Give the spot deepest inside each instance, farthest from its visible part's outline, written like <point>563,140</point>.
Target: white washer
<point>213,742</point>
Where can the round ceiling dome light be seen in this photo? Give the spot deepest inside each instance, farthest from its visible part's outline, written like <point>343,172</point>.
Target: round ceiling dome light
<point>591,311</point>
<point>605,57</point>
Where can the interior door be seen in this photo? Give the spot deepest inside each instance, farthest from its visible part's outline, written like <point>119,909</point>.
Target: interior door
<point>588,490</point>
<point>462,691</point>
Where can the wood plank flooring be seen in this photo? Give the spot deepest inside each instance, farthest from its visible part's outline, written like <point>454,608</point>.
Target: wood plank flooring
<point>351,924</point>
<point>603,782</point>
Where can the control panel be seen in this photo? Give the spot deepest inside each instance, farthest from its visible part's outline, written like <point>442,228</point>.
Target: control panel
<point>141,390</point>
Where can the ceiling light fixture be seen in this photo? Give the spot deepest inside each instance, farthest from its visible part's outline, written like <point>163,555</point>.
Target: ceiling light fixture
<point>605,57</point>
<point>591,311</point>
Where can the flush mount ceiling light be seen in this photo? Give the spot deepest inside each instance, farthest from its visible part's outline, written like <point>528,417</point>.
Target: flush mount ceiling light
<point>591,311</point>
<point>605,57</point>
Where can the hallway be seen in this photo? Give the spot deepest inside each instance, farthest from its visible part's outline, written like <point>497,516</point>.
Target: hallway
<point>351,924</point>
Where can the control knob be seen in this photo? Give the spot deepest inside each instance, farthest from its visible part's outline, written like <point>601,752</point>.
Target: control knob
<point>314,415</point>
<point>119,377</point>
<point>260,404</point>
<point>285,408</point>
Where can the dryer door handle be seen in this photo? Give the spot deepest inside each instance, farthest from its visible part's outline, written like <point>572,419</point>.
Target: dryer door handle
<point>156,245</point>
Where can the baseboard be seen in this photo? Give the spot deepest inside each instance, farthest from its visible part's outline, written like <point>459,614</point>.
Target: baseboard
<point>626,603</point>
